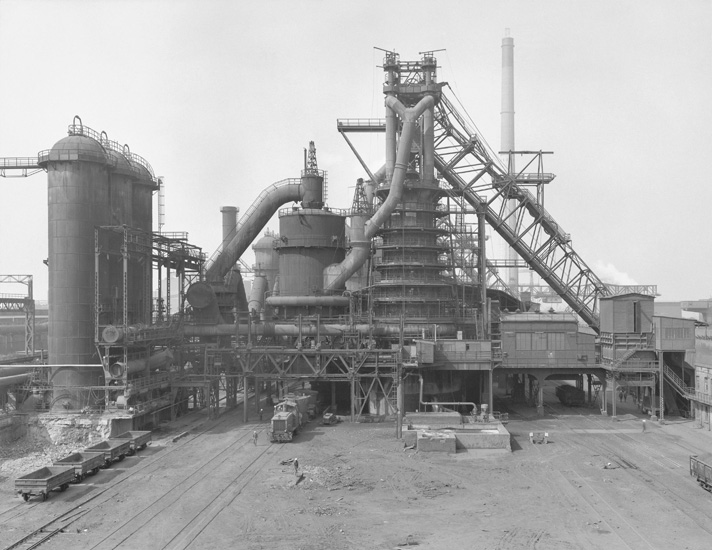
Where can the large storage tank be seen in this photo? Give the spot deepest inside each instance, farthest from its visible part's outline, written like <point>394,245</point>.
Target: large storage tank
<point>89,185</point>
<point>311,239</point>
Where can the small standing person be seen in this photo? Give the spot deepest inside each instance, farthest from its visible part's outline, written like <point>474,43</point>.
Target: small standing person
<point>254,437</point>
<point>643,425</point>
<point>296,467</point>
<point>261,411</point>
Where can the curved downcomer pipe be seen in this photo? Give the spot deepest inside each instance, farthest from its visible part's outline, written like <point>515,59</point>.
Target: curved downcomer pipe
<point>359,254</point>
<point>307,329</point>
<point>253,222</point>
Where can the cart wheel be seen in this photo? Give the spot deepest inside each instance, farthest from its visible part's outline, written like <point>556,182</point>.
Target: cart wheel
<point>106,464</point>
<point>44,496</point>
<point>131,452</point>
<point>121,457</point>
<point>25,496</point>
<point>95,471</point>
<point>144,446</point>
<point>63,487</point>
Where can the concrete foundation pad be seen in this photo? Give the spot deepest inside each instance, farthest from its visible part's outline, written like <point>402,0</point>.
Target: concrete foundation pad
<point>491,435</point>
<point>440,442</point>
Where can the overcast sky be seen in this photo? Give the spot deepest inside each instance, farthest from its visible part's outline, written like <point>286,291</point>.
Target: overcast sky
<point>221,97</point>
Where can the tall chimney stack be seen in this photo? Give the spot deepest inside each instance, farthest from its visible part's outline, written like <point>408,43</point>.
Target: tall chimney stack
<point>507,141</point>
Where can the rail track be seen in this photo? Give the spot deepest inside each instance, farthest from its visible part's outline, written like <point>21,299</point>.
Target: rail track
<point>61,522</point>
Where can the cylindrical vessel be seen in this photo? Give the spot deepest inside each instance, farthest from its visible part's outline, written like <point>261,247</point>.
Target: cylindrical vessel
<point>78,191</point>
<point>257,295</point>
<point>90,185</point>
<point>310,240</point>
<point>266,259</point>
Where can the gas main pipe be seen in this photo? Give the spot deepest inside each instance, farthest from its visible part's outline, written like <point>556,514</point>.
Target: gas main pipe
<point>358,256</point>
<point>306,329</point>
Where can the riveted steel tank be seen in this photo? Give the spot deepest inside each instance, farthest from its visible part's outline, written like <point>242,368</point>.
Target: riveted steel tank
<point>89,185</point>
<point>310,239</point>
<point>78,193</point>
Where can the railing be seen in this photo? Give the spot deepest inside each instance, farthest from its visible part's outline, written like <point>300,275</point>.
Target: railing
<point>18,162</point>
<point>82,130</point>
<point>678,382</point>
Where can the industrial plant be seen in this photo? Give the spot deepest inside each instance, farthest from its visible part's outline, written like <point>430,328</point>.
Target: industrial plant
<point>384,308</point>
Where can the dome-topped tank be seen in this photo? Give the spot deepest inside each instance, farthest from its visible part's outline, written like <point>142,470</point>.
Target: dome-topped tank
<point>90,184</point>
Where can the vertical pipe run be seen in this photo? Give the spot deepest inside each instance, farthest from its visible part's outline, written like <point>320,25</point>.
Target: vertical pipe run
<point>391,132</point>
<point>229,224</point>
<point>428,144</point>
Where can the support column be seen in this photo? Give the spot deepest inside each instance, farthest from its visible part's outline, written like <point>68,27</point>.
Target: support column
<point>540,400</point>
<point>258,395</point>
<point>662,395</point>
<point>588,377</point>
<point>245,401</point>
<point>399,401</point>
<point>491,399</point>
<point>353,398</point>
<point>613,394</point>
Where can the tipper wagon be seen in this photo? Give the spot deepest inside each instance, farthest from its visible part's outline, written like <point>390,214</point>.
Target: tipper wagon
<point>114,449</point>
<point>42,481</point>
<point>84,463</point>
<point>137,440</point>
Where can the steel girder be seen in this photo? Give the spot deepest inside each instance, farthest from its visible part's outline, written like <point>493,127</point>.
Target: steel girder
<point>466,164</point>
<point>331,364</point>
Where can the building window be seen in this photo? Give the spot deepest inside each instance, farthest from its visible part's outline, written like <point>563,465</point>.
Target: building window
<point>523,341</point>
<point>557,340</point>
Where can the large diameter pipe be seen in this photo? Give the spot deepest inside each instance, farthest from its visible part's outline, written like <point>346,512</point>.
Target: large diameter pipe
<point>15,379</point>
<point>327,301</point>
<point>11,370</point>
<point>307,329</point>
<point>251,225</point>
<point>156,361</point>
<point>359,255</point>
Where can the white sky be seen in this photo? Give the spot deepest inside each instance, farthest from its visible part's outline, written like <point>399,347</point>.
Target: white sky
<point>221,97</point>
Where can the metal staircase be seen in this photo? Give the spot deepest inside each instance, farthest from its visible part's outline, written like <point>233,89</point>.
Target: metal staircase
<point>466,164</point>
<point>677,383</point>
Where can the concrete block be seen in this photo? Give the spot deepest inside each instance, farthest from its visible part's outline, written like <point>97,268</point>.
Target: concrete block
<point>439,442</point>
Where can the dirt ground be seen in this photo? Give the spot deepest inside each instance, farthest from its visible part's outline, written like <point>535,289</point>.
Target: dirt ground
<point>598,483</point>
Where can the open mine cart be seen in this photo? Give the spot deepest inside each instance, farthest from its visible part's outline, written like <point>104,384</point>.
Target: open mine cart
<point>113,449</point>
<point>137,440</point>
<point>42,481</point>
<point>84,463</point>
